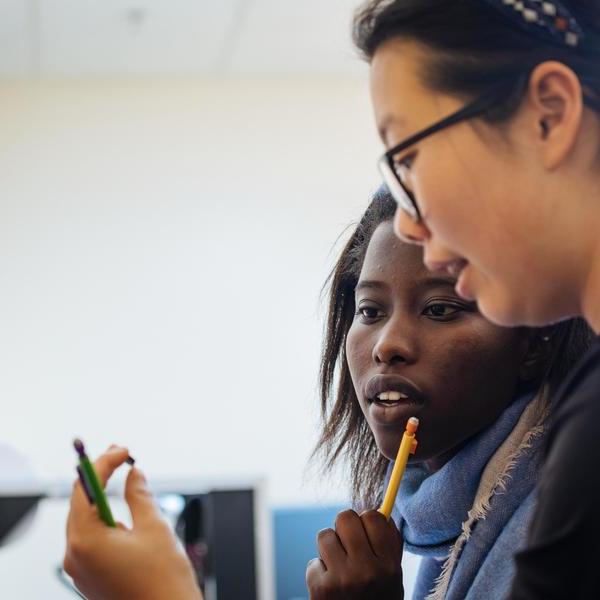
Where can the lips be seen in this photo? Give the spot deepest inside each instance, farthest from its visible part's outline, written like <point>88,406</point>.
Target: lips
<point>392,399</point>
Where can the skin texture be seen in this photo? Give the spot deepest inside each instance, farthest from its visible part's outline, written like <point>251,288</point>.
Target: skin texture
<point>141,563</point>
<point>360,559</point>
<point>518,202</point>
<point>409,322</point>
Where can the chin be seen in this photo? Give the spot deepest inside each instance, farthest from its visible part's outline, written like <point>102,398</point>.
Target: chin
<point>387,454</point>
<point>532,305</point>
<point>506,311</point>
<point>519,316</point>
<point>388,447</point>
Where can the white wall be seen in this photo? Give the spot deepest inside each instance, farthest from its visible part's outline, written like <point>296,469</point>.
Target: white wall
<point>162,248</point>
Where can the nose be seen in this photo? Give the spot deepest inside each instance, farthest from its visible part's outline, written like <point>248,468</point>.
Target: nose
<point>413,232</point>
<point>395,344</point>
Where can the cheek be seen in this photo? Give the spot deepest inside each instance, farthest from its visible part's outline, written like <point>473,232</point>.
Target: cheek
<point>459,188</point>
<point>445,202</point>
<point>357,352</point>
<point>482,366</point>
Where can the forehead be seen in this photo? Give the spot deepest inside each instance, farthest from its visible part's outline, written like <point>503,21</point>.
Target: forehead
<point>388,258</point>
<point>396,88</point>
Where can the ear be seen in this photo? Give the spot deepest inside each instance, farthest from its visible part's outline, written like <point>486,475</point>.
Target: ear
<point>555,100</point>
<point>537,355</point>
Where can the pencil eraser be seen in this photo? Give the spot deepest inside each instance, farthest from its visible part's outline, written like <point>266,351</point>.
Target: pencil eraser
<point>412,425</point>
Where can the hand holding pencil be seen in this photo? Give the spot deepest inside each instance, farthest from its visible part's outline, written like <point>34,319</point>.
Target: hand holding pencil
<point>362,557</point>
<point>145,561</point>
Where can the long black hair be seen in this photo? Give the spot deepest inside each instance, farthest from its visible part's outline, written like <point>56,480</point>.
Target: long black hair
<point>473,46</point>
<point>345,432</point>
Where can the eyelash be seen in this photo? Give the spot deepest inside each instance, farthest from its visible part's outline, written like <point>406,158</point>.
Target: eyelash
<point>359,312</point>
<point>455,308</point>
<point>405,162</point>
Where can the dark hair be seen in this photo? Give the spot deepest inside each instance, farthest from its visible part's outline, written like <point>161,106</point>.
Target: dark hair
<point>345,433</point>
<point>473,46</point>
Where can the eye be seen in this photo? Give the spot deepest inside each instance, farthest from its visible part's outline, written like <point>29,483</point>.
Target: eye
<point>442,310</point>
<point>368,313</point>
<point>404,164</point>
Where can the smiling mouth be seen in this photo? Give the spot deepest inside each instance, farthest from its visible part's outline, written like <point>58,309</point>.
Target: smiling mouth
<point>391,398</point>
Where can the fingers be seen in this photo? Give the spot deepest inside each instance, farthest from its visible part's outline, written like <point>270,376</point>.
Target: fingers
<point>141,503</point>
<point>315,570</point>
<point>349,528</point>
<point>109,462</point>
<point>383,535</point>
<point>360,559</point>
<point>359,537</point>
<point>330,547</point>
<point>81,510</point>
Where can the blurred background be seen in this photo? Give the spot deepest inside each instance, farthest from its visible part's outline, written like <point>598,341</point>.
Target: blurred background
<point>175,177</point>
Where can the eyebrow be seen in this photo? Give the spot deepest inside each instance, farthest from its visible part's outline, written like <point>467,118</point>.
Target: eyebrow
<point>370,284</point>
<point>388,120</point>
<point>425,282</point>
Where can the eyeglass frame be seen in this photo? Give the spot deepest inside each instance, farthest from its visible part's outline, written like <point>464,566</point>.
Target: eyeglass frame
<point>403,196</point>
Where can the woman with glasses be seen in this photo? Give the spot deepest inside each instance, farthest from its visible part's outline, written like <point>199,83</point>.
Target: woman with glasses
<point>490,112</point>
<point>489,109</point>
<point>399,343</point>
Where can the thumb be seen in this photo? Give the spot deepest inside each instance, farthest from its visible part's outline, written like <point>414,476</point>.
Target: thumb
<point>139,499</point>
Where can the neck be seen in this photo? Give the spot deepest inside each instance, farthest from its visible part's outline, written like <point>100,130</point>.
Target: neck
<point>583,233</point>
<point>437,462</point>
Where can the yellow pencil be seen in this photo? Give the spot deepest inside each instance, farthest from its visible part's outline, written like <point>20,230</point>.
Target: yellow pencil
<point>408,445</point>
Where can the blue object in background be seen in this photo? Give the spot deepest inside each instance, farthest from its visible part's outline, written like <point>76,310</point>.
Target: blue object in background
<point>295,532</point>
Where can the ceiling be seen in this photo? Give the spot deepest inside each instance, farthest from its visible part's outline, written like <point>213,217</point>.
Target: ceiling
<point>83,38</point>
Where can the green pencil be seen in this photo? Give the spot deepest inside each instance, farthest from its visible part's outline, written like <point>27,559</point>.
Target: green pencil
<point>91,484</point>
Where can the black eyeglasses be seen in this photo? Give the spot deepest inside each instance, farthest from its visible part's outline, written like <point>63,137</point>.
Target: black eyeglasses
<point>391,170</point>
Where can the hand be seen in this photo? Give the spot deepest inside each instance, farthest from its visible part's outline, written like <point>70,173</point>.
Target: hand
<point>145,562</point>
<point>361,559</point>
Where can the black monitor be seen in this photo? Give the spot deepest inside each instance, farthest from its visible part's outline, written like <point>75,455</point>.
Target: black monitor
<point>13,509</point>
<point>218,529</point>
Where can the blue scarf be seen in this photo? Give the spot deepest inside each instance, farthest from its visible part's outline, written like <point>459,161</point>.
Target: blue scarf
<point>431,508</point>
